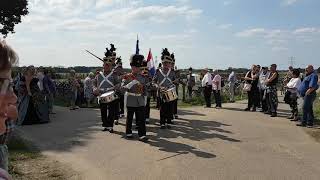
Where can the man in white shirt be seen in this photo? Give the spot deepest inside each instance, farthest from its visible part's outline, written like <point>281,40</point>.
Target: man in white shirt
<point>216,87</point>
<point>207,85</point>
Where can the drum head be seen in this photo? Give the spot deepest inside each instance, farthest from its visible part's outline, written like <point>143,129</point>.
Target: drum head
<point>107,94</point>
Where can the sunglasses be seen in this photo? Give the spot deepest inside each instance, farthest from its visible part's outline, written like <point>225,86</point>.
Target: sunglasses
<point>6,85</point>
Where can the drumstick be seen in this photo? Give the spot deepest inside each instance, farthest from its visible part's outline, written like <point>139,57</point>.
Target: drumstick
<point>94,55</point>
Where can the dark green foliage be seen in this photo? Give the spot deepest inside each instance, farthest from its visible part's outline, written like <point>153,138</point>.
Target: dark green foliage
<point>11,12</point>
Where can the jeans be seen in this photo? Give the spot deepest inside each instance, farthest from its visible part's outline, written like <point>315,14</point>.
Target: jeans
<point>207,95</point>
<point>217,98</point>
<point>308,116</point>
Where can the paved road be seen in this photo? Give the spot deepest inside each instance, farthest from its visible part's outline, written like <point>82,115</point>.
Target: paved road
<point>215,144</point>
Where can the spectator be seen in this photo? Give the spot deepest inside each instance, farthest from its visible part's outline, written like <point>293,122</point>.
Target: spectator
<point>52,90</point>
<point>308,90</point>
<point>292,94</point>
<point>272,96</point>
<point>216,87</point>
<point>32,105</point>
<point>207,85</point>
<point>252,77</point>
<point>88,89</point>
<point>264,74</point>
<point>73,81</point>
<point>191,82</point>
<point>8,109</point>
<point>232,80</point>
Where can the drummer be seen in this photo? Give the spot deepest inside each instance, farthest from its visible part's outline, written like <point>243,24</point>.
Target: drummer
<point>107,81</point>
<point>147,75</point>
<point>135,86</point>
<point>164,79</point>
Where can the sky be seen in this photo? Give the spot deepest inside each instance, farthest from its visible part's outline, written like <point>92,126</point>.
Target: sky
<point>202,33</point>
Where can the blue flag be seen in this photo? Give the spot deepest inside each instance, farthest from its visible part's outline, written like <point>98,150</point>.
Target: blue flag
<point>137,46</point>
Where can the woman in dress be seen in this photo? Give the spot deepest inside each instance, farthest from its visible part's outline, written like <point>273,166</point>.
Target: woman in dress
<point>32,105</point>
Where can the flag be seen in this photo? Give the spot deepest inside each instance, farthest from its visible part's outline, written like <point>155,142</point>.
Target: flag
<point>137,46</point>
<point>152,69</point>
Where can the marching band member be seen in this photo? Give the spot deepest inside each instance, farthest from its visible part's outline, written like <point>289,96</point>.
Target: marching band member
<point>177,73</point>
<point>146,74</point>
<point>135,86</point>
<point>164,79</point>
<point>107,81</point>
<point>118,70</point>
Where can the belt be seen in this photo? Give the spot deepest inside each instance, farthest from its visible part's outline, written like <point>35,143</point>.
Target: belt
<point>133,94</point>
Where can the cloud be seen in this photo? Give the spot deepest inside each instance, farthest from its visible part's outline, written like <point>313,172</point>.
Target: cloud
<point>308,30</point>
<point>289,2</point>
<point>227,3</point>
<point>277,49</point>
<point>252,32</point>
<point>225,26</point>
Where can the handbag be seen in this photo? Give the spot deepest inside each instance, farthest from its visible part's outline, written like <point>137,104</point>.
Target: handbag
<point>247,87</point>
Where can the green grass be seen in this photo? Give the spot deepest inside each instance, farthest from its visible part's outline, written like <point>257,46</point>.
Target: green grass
<point>20,150</point>
<point>317,109</point>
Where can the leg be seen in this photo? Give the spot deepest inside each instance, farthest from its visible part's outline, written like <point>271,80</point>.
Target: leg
<point>231,91</point>
<point>175,109</point>
<point>104,114</point>
<point>140,116</point>
<point>147,110</point>
<point>117,111</point>
<point>219,98</point>
<point>130,112</point>
<point>250,99</point>
<point>111,115</point>
<point>169,114</point>
<point>162,114</point>
<point>121,105</point>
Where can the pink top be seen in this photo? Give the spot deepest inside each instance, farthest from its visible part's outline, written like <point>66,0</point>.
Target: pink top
<point>216,82</point>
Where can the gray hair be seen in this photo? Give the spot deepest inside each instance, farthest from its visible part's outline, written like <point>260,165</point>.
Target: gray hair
<point>8,56</point>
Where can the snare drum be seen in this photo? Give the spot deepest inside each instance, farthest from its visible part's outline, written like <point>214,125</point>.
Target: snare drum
<point>108,97</point>
<point>169,95</point>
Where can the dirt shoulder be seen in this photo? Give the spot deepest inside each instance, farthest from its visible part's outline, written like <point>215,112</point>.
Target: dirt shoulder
<point>26,162</point>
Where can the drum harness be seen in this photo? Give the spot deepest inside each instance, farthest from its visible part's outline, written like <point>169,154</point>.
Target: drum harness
<point>105,79</point>
<point>166,77</point>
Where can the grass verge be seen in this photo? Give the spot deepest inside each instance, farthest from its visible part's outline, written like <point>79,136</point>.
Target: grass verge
<point>26,162</point>
<point>315,132</point>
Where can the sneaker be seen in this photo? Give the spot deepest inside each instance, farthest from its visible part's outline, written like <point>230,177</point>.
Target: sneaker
<point>143,138</point>
<point>163,126</point>
<point>77,107</point>
<point>116,122</point>
<point>302,124</point>
<point>129,135</point>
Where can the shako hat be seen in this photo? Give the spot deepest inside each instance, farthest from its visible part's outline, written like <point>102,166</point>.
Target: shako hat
<point>136,60</point>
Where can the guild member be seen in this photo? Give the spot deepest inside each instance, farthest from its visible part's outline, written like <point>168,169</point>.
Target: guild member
<point>176,83</point>
<point>107,81</point>
<point>146,74</point>
<point>164,79</point>
<point>191,82</point>
<point>118,70</point>
<point>135,86</point>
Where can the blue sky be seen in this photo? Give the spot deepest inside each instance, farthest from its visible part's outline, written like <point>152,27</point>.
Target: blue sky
<point>202,33</point>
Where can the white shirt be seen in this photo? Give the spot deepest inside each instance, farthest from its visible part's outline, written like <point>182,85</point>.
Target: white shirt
<point>216,80</point>
<point>294,84</point>
<point>262,80</point>
<point>207,80</point>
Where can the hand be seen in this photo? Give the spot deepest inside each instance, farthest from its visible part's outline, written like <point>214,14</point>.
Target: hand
<point>96,92</point>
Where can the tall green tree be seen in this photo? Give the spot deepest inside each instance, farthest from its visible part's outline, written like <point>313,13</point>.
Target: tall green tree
<point>11,12</point>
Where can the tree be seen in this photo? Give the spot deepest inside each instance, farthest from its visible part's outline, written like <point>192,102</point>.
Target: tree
<point>11,12</point>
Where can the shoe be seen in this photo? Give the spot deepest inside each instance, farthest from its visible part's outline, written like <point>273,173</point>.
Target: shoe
<point>170,122</point>
<point>217,107</point>
<point>309,125</point>
<point>136,128</point>
<point>143,139</point>
<point>176,116</point>
<point>247,109</point>
<point>273,115</point>
<point>291,116</point>
<point>254,110</point>
<point>105,129</point>
<point>116,122</point>
<point>147,121</point>
<point>110,130</point>
<point>163,126</point>
<point>267,112</point>
<point>121,115</point>
<point>295,119</point>
<point>129,136</point>
<point>302,124</point>
<point>77,107</point>
<point>168,126</point>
